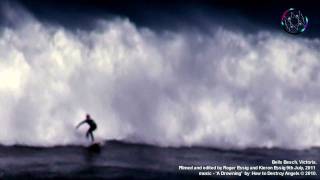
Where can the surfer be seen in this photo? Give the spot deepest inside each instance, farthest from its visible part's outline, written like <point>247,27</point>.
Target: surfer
<point>92,126</point>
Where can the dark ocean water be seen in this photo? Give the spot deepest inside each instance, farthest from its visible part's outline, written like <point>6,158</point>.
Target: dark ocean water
<point>118,160</point>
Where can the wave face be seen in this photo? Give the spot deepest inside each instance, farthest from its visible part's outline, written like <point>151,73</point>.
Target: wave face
<point>224,88</point>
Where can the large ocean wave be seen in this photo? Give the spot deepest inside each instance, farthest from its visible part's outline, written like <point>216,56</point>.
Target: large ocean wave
<point>224,88</point>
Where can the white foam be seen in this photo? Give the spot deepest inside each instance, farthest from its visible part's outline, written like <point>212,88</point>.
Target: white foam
<point>222,89</point>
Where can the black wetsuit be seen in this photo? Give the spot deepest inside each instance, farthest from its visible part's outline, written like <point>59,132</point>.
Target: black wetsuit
<point>92,127</point>
<point>92,124</point>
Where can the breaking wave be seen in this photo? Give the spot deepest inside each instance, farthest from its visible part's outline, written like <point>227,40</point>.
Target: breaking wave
<point>224,88</point>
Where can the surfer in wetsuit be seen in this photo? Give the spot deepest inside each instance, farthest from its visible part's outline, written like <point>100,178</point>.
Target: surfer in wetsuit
<point>92,126</point>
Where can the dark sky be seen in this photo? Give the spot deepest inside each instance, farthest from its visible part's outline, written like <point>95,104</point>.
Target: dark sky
<point>171,13</point>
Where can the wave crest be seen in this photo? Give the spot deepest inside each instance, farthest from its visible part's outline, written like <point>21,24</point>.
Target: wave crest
<point>224,89</point>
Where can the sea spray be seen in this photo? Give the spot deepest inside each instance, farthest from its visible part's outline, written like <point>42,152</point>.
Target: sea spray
<point>224,88</point>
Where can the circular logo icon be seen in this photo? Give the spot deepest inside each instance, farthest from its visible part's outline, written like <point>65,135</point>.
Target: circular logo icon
<point>293,21</point>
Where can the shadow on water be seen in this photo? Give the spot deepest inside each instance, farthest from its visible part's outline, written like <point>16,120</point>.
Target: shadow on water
<point>92,153</point>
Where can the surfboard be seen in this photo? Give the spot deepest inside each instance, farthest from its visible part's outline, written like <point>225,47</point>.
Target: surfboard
<point>95,147</point>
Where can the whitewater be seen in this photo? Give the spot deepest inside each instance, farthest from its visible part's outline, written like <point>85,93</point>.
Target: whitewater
<point>225,88</point>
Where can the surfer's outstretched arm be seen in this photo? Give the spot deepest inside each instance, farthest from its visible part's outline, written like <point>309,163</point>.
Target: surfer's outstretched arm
<point>84,121</point>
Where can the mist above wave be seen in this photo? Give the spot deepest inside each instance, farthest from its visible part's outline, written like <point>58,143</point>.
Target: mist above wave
<point>225,88</point>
